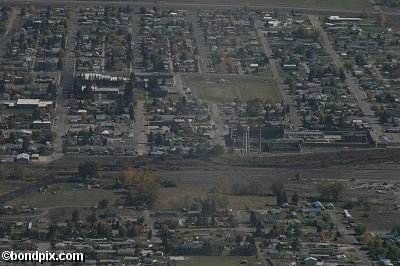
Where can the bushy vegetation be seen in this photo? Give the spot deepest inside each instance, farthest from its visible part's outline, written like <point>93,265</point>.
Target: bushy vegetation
<point>247,188</point>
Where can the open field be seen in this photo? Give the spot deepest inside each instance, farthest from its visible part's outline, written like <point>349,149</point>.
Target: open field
<point>222,90</point>
<point>168,197</point>
<point>10,185</point>
<point>213,260</point>
<point>197,177</point>
<point>66,195</point>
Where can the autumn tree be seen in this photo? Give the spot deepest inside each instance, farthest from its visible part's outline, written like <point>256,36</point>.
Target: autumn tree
<point>381,19</point>
<point>88,169</point>
<point>331,191</point>
<point>143,187</point>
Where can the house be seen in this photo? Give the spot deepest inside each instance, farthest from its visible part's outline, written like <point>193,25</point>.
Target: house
<point>32,104</point>
<point>22,158</point>
<point>385,262</point>
<point>149,261</point>
<point>42,124</point>
<point>312,261</point>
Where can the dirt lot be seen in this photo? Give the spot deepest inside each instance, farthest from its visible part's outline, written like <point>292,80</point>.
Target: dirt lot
<point>368,176</point>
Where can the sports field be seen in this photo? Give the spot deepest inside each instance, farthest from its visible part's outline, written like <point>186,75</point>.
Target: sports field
<point>222,91</point>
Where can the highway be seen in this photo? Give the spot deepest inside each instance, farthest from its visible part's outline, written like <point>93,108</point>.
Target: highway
<point>351,83</point>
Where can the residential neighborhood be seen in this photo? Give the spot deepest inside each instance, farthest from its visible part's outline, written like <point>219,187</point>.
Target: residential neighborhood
<point>193,134</point>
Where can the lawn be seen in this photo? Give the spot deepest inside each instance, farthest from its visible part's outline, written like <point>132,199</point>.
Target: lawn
<point>228,90</point>
<point>67,195</point>
<point>17,112</point>
<point>373,29</point>
<point>214,260</point>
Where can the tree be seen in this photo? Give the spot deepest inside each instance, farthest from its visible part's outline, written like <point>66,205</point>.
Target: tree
<point>60,64</point>
<point>103,204</point>
<point>128,176</point>
<point>128,92</point>
<point>92,218</point>
<point>143,10</point>
<point>131,112</point>
<point>331,191</point>
<point>88,169</point>
<point>75,216</point>
<point>153,82</point>
<point>381,18</point>
<point>53,137</point>
<point>337,191</point>
<point>20,171</point>
<point>284,197</point>
<point>122,231</point>
<point>342,75</point>
<point>26,143</point>
<point>279,198</point>
<point>253,218</point>
<point>359,230</point>
<point>36,114</point>
<point>145,187</point>
<point>277,187</point>
<point>295,198</point>
<point>217,150</point>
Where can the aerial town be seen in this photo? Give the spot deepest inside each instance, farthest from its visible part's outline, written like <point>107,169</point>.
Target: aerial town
<point>190,134</point>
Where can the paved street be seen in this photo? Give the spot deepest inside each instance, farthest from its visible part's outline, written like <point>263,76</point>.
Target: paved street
<point>358,94</point>
<point>294,116</point>
<point>201,45</point>
<point>140,128</point>
<point>65,88</point>
<point>216,120</point>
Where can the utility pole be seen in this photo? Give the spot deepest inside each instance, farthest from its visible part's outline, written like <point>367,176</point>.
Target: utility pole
<point>244,141</point>
<point>147,114</point>
<point>259,148</point>
<point>248,139</point>
<point>245,147</point>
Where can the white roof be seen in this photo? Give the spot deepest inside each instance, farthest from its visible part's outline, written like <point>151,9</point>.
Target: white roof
<point>28,101</point>
<point>41,122</point>
<point>45,103</point>
<point>23,156</point>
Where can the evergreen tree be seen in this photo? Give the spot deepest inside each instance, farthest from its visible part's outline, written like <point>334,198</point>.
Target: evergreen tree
<point>295,198</point>
<point>253,218</point>
<point>75,216</point>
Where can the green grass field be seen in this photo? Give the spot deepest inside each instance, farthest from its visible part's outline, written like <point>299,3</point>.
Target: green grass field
<point>214,260</point>
<point>230,90</point>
